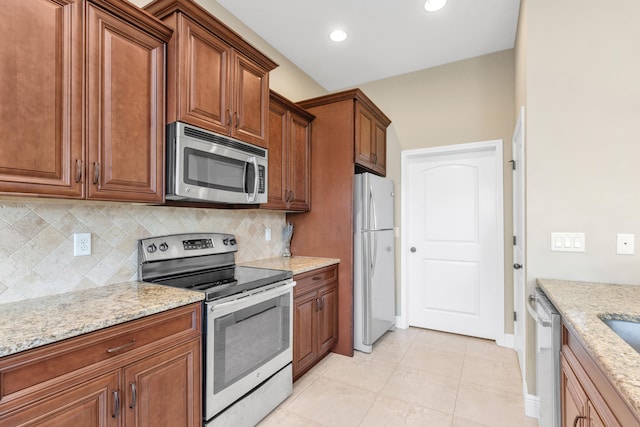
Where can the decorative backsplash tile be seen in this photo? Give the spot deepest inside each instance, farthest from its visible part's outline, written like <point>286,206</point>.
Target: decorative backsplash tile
<point>36,241</point>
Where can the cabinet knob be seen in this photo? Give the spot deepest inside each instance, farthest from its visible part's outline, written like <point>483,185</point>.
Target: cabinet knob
<point>413,249</point>
<point>517,266</point>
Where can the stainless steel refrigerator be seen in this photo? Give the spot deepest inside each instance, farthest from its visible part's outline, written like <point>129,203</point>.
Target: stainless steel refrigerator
<point>374,260</point>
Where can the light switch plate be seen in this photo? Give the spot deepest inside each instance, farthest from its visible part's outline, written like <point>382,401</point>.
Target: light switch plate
<point>626,244</point>
<point>568,242</point>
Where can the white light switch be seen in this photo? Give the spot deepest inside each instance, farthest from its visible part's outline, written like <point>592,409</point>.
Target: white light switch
<point>626,244</point>
<point>568,242</point>
<point>267,234</point>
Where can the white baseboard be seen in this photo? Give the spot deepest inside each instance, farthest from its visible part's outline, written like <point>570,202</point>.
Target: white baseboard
<point>531,402</point>
<point>401,322</point>
<point>506,340</point>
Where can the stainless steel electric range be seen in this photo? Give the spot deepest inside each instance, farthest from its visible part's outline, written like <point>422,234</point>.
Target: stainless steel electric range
<point>247,322</point>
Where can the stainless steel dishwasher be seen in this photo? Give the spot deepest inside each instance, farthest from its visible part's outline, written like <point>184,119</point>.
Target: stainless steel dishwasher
<point>548,345</point>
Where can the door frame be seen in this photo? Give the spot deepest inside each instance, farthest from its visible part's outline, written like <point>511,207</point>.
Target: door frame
<point>518,195</point>
<point>406,155</point>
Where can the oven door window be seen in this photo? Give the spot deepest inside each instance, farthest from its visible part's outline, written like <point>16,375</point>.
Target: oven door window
<point>248,338</point>
<point>210,170</point>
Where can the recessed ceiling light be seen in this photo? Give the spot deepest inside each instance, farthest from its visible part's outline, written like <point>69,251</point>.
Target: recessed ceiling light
<point>434,5</point>
<point>338,36</point>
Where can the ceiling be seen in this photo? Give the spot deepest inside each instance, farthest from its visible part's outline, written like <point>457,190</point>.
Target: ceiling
<point>386,37</point>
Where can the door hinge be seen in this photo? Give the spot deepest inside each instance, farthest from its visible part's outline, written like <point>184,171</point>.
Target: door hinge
<point>515,316</point>
<point>514,241</point>
<point>513,164</point>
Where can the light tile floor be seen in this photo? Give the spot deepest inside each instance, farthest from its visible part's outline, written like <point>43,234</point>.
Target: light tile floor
<point>413,377</point>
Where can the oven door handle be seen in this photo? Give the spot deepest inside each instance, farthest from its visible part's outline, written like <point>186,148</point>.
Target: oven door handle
<point>249,299</point>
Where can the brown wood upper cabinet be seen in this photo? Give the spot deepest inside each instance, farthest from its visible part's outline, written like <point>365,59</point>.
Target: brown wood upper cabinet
<point>371,136</point>
<point>369,129</point>
<point>59,141</point>
<point>216,80</point>
<point>289,155</point>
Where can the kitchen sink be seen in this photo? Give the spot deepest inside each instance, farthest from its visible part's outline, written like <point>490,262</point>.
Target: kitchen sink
<point>628,330</point>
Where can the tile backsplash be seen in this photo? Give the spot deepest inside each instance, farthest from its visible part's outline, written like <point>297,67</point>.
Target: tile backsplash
<point>36,241</point>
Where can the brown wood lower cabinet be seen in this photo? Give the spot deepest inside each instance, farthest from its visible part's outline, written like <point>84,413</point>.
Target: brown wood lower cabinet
<point>587,397</point>
<point>142,373</point>
<point>315,317</point>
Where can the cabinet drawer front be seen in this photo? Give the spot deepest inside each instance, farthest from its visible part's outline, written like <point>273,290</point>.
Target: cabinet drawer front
<point>35,369</point>
<point>315,278</point>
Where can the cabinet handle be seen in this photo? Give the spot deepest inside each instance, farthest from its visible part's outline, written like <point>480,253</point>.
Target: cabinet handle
<point>237,119</point>
<point>116,404</point>
<point>317,304</point>
<point>316,278</point>
<point>121,347</point>
<point>322,303</point>
<point>78,170</point>
<point>292,195</point>
<point>228,118</point>
<point>134,395</point>
<point>96,173</point>
<point>578,417</point>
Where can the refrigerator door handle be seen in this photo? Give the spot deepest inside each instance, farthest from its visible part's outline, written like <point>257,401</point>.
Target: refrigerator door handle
<point>372,211</point>
<point>375,253</point>
<point>366,289</point>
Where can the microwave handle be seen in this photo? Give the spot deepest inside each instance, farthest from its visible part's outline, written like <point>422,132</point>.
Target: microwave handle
<point>254,161</point>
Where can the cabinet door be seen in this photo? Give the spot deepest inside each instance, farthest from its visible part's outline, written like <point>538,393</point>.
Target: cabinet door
<point>299,163</point>
<point>573,398</point>
<point>364,148</point>
<point>305,347</point>
<point>327,318</point>
<point>277,180</point>
<point>250,101</point>
<point>203,78</point>
<point>380,143</point>
<point>91,404</point>
<point>165,389</point>
<point>126,111</point>
<point>41,91</point>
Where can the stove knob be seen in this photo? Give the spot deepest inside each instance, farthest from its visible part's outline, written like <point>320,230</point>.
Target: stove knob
<point>151,248</point>
<point>232,241</point>
<point>164,246</point>
<point>225,242</point>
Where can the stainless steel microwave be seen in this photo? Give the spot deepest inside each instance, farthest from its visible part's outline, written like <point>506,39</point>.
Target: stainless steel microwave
<point>205,166</point>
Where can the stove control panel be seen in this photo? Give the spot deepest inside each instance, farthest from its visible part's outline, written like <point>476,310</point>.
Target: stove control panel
<point>197,244</point>
<point>186,245</point>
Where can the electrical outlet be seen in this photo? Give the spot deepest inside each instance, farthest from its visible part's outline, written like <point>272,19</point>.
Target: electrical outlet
<point>81,244</point>
<point>267,234</point>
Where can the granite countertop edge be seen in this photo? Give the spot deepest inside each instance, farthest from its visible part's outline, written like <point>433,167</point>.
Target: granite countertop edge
<point>582,305</point>
<point>296,264</point>
<point>36,322</point>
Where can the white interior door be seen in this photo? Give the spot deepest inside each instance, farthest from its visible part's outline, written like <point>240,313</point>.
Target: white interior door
<point>519,240</point>
<point>454,239</point>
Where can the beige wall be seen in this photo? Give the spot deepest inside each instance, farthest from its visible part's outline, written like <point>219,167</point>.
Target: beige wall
<point>466,101</point>
<point>583,109</point>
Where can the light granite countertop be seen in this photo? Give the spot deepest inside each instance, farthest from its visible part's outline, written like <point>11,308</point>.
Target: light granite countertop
<point>39,321</point>
<point>35,322</point>
<point>297,264</point>
<point>581,305</point>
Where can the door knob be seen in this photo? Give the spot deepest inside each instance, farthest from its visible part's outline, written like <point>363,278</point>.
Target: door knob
<point>517,266</point>
<point>413,249</point>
